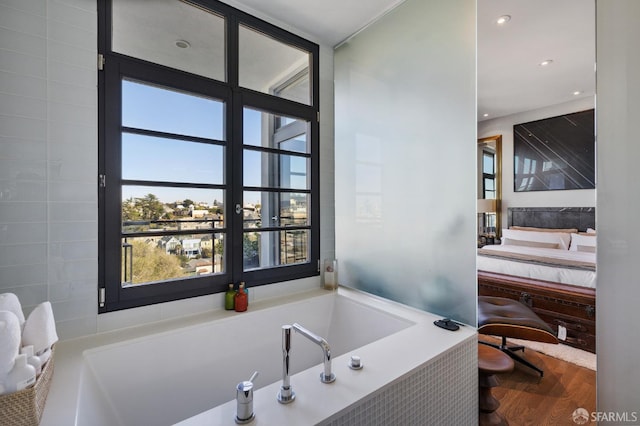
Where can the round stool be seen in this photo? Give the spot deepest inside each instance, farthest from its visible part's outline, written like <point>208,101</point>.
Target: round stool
<point>491,361</point>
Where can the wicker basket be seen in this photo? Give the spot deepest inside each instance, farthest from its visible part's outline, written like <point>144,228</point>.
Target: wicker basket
<point>25,407</point>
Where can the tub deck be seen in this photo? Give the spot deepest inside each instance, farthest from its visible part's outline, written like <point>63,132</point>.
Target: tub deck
<point>413,344</point>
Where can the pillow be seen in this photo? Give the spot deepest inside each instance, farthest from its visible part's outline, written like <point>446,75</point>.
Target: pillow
<point>584,240</point>
<point>530,228</point>
<point>591,231</point>
<point>563,239</point>
<point>510,242</point>
<point>587,249</point>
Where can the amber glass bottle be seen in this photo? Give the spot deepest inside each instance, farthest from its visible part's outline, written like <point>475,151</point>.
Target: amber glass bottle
<point>241,300</point>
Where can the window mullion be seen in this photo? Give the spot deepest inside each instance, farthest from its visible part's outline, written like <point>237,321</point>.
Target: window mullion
<point>235,171</point>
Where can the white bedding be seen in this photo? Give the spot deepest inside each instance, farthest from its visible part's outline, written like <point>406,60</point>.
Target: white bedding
<point>583,278</point>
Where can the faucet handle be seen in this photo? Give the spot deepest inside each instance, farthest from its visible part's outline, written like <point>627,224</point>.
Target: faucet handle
<point>244,400</point>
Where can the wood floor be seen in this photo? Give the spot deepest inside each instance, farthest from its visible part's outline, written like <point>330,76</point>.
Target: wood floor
<point>525,399</point>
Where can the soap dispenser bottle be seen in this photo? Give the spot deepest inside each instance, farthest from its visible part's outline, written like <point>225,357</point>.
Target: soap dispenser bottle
<point>21,376</point>
<point>32,359</point>
<point>229,297</point>
<point>241,300</point>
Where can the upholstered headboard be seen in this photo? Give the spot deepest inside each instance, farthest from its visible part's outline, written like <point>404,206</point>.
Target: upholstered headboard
<point>552,217</point>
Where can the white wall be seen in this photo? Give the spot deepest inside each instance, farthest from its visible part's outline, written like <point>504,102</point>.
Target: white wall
<point>48,158</point>
<point>618,153</point>
<point>504,126</point>
<point>48,168</point>
<point>405,163</point>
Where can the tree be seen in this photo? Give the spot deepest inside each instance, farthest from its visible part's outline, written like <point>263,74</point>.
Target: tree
<point>151,208</point>
<point>250,246</point>
<point>218,247</point>
<point>151,263</point>
<point>187,202</point>
<point>130,210</point>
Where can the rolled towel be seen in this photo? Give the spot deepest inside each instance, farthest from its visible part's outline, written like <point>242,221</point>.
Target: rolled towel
<point>40,329</point>
<point>9,342</point>
<point>9,302</point>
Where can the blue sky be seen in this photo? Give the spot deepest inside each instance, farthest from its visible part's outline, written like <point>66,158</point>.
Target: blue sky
<point>150,158</point>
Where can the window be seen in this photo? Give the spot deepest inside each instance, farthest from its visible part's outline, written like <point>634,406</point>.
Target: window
<point>208,152</point>
<point>489,189</point>
<point>488,174</point>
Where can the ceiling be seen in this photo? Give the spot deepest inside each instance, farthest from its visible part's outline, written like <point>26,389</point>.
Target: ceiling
<point>510,79</point>
<point>328,21</point>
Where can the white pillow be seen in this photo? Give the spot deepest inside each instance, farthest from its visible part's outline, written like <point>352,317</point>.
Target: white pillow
<point>563,239</point>
<point>582,240</point>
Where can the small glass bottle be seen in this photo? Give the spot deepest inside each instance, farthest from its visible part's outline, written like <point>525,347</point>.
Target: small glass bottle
<point>241,301</point>
<point>229,297</point>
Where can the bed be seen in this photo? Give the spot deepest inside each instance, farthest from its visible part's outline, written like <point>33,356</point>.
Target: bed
<point>537,265</point>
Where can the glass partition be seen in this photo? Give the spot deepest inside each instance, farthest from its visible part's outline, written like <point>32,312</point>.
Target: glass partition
<point>405,167</point>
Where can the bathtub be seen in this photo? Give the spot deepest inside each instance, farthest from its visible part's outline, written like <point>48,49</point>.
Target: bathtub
<point>188,376</point>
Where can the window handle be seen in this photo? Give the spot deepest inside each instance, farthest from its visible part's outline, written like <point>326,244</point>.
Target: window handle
<point>238,208</point>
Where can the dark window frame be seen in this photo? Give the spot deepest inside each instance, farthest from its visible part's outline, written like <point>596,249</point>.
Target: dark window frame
<point>488,176</point>
<point>118,66</point>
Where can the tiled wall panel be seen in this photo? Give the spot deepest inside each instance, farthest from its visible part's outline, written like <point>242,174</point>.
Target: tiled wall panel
<point>48,158</point>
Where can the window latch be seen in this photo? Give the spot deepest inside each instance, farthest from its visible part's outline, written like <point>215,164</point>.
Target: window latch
<point>238,208</point>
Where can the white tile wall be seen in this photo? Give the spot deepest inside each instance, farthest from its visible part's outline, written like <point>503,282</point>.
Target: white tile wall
<point>48,158</point>
<point>48,168</point>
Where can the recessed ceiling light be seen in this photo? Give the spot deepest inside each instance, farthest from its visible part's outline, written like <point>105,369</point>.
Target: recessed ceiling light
<point>183,44</point>
<point>576,93</point>
<point>485,115</point>
<point>503,19</point>
<point>546,62</point>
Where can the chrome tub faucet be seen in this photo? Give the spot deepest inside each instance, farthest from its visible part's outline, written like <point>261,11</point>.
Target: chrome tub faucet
<point>286,394</point>
<point>326,376</point>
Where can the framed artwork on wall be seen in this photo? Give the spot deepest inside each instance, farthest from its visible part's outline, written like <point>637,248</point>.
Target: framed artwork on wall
<point>556,153</point>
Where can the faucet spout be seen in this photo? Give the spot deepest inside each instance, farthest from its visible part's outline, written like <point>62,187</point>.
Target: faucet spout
<point>326,376</point>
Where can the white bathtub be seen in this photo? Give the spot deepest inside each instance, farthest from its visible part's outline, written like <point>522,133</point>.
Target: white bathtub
<point>189,375</point>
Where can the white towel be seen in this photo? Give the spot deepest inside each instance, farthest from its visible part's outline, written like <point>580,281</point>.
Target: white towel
<point>40,328</point>
<point>9,302</point>
<point>9,342</point>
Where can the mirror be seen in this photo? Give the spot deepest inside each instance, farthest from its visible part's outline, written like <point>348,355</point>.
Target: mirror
<point>489,179</point>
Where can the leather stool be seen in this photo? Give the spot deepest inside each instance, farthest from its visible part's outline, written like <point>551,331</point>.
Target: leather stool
<point>491,361</point>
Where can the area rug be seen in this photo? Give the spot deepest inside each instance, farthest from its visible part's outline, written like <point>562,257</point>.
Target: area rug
<point>560,351</point>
